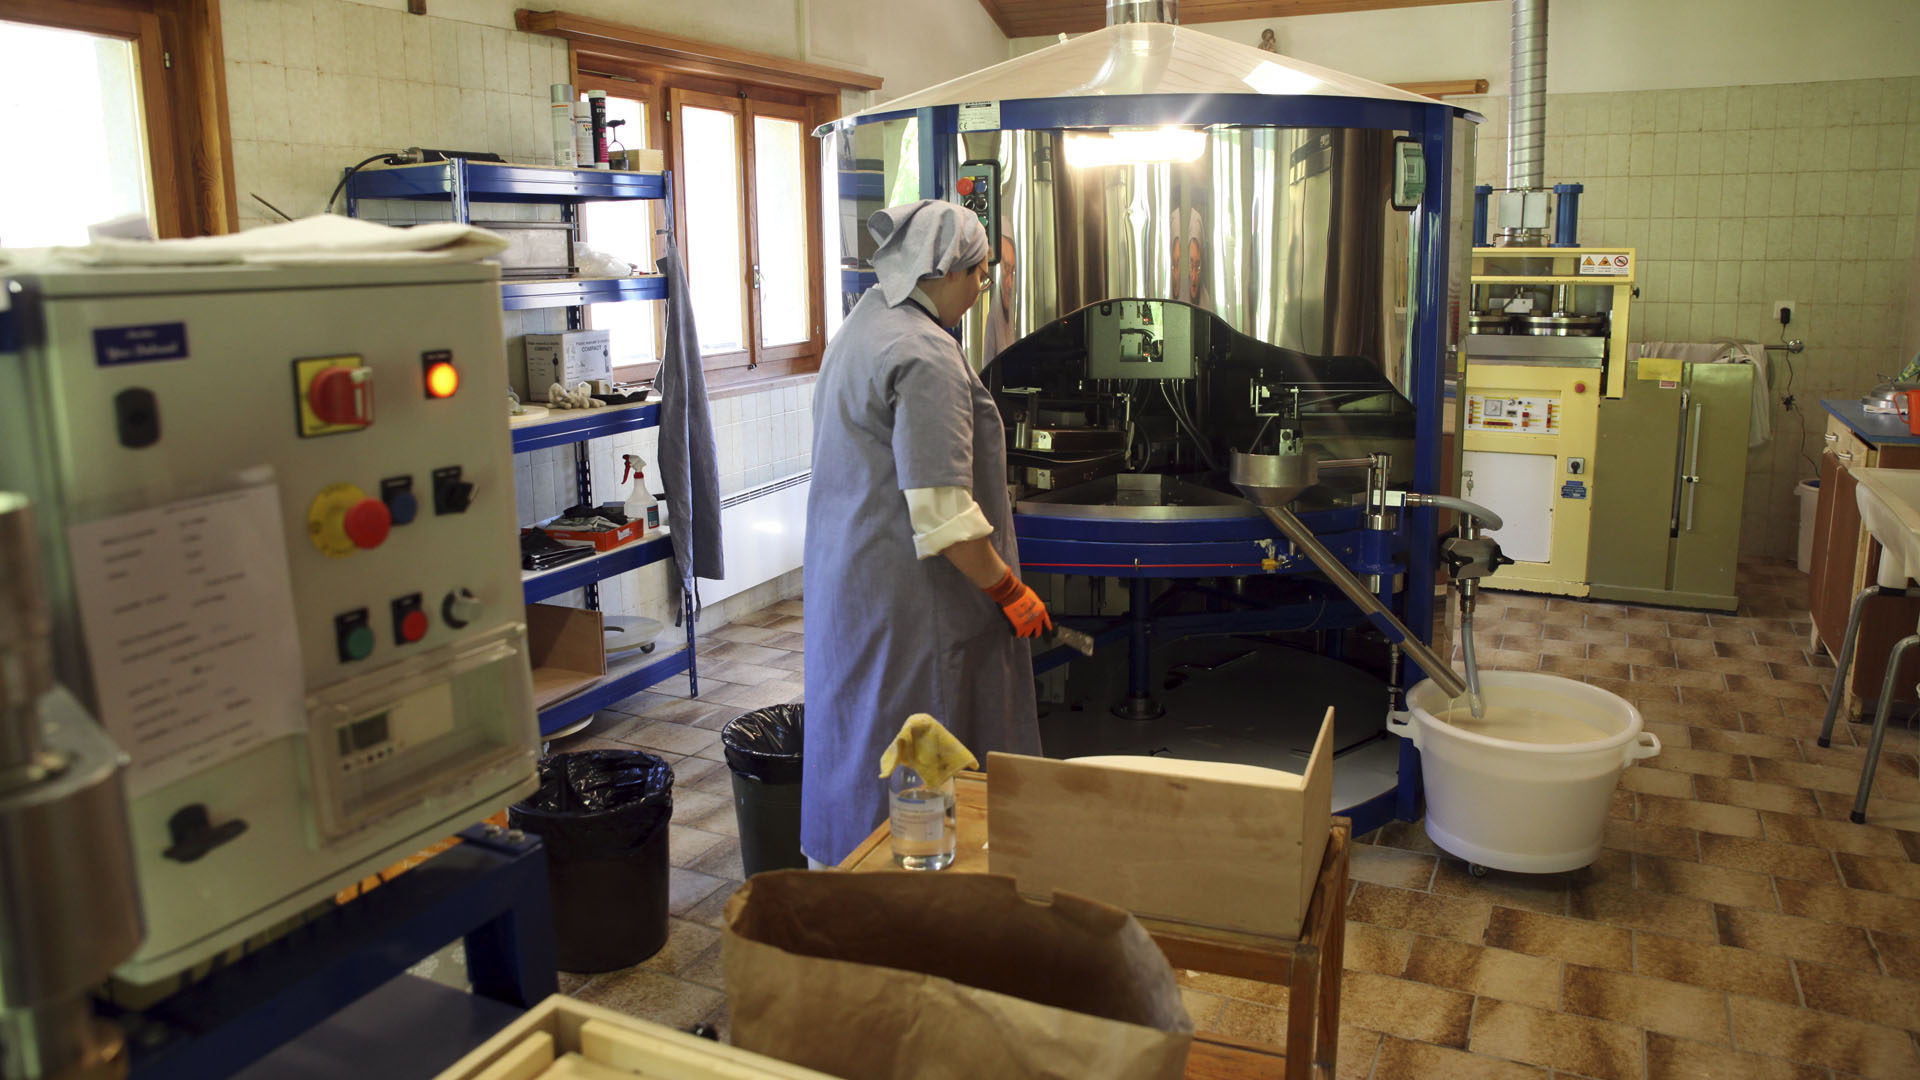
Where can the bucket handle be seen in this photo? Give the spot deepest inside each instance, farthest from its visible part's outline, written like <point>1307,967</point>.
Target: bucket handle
<point>1644,745</point>
<point>1401,724</point>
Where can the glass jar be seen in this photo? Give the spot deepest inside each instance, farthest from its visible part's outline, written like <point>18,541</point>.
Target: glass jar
<point>921,822</point>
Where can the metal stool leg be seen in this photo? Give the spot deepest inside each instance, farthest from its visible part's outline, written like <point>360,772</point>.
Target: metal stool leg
<point>1880,712</point>
<point>1844,662</point>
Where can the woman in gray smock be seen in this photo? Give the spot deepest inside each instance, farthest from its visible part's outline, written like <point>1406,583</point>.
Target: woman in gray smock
<point>914,602</point>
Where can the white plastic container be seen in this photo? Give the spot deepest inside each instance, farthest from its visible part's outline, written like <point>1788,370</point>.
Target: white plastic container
<point>1808,492</point>
<point>1530,807</point>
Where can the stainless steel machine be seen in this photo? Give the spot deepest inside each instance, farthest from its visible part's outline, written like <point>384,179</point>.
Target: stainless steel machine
<point>278,548</point>
<point>1217,270</point>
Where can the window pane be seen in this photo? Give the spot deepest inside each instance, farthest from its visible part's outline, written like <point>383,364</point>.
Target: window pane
<point>710,177</point>
<point>69,104</point>
<point>625,231</point>
<point>780,200</point>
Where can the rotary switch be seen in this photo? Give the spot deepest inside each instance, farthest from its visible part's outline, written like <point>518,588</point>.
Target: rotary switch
<point>460,608</point>
<point>343,519</point>
<point>342,395</point>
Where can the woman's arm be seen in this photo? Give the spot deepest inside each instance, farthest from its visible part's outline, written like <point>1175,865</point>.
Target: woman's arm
<point>978,561</point>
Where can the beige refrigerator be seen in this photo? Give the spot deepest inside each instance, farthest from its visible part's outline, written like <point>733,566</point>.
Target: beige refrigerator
<point>1670,477</point>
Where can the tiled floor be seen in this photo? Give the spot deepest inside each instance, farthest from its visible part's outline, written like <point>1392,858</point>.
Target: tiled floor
<point>1737,925</point>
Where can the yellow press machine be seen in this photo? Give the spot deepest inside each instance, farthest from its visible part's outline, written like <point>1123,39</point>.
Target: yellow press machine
<point>1547,341</point>
<point>1570,437</point>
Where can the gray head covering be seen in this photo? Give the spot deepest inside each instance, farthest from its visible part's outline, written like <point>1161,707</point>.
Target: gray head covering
<point>920,240</point>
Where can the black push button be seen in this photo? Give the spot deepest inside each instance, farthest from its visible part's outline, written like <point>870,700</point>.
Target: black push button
<point>136,417</point>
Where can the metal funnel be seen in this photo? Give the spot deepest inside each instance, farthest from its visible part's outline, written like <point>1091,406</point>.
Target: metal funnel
<point>1273,479</point>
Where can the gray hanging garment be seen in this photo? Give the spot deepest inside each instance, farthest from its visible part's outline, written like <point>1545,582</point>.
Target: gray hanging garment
<point>689,472</point>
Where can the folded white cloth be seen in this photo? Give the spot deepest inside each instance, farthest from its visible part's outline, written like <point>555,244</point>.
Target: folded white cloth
<point>324,239</point>
<point>1760,423</point>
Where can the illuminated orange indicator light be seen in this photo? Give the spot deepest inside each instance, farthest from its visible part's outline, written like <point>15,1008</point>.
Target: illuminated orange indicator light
<point>442,377</point>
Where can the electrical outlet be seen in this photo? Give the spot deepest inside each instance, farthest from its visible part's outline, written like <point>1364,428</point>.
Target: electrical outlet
<point>1780,306</point>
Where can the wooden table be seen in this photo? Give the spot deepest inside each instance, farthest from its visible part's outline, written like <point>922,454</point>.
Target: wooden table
<point>1308,967</point>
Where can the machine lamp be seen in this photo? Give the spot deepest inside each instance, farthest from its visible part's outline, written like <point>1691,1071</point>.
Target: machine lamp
<point>441,376</point>
<point>1135,146</point>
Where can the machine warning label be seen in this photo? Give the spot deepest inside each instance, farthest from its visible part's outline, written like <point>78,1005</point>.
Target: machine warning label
<point>1616,265</point>
<point>1573,489</point>
<point>139,344</point>
<point>979,116</point>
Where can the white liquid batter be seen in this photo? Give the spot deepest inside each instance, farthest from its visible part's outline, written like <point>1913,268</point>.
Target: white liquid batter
<point>1521,724</point>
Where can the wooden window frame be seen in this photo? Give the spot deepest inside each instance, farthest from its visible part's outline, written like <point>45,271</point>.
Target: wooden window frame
<point>678,99</point>
<point>183,92</point>
<point>637,63</point>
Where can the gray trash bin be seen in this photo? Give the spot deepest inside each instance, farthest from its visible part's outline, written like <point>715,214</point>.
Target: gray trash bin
<point>763,750</point>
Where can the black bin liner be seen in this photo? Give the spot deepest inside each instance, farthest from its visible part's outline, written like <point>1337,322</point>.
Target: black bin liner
<point>763,750</point>
<point>765,743</point>
<point>602,816</point>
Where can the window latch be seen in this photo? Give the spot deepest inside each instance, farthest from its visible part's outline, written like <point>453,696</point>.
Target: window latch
<point>756,275</point>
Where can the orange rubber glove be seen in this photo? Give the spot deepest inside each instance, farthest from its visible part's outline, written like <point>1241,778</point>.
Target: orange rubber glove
<point>1021,605</point>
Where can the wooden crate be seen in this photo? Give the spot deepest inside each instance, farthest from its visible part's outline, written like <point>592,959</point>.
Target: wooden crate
<point>1228,847</point>
<point>618,1044</point>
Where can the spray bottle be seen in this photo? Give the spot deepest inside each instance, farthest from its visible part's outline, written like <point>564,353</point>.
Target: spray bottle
<point>641,505</point>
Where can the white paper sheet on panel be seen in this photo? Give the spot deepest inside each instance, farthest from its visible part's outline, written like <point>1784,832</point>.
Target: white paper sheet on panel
<point>187,609</point>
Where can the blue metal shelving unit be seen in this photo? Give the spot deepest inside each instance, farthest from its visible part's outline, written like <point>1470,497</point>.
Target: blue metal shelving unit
<point>460,183</point>
<point>564,579</point>
<point>572,427</point>
<point>465,182</point>
<point>573,292</point>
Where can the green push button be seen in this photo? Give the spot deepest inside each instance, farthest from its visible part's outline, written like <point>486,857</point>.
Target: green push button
<point>352,637</point>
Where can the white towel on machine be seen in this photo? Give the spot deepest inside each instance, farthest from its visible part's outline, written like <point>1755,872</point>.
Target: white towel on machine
<point>1760,425</point>
<point>320,240</point>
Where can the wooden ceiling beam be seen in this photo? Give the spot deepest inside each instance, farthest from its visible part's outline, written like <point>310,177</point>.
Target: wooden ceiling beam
<point>1444,87</point>
<point>1035,18</point>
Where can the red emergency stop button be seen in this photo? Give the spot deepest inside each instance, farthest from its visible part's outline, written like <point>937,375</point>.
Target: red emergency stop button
<point>367,523</point>
<point>964,185</point>
<point>342,395</point>
<point>413,626</point>
<point>1579,388</point>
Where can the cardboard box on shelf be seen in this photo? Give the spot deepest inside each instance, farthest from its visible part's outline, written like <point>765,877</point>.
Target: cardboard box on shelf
<point>568,650</point>
<point>569,359</point>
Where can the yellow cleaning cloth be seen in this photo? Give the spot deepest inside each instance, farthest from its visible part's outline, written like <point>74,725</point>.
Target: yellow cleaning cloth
<point>928,748</point>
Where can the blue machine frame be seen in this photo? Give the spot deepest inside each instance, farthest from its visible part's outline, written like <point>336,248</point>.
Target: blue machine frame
<point>490,890</point>
<point>1240,547</point>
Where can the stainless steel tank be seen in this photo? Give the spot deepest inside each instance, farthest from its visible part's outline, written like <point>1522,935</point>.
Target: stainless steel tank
<point>1151,161</point>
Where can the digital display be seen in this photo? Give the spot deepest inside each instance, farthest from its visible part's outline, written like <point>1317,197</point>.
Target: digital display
<point>369,732</point>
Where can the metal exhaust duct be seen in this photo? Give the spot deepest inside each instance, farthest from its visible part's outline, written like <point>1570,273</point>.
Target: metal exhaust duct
<point>1142,11</point>
<point>1527,100</point>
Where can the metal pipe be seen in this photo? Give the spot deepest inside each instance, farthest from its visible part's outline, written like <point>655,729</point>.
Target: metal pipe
<point>26,659</point>
<point>1139,11</point>
<point>1376,612</point>
<point>1527,96</point>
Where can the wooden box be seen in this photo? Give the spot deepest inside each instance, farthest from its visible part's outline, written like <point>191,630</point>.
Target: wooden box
<point>563,1038</point>
<point>1221,846</point>
<point>568,649</point>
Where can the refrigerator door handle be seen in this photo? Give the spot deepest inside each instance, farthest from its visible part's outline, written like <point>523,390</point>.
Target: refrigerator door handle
<point>1673,507</point>
<point>1692,475</point>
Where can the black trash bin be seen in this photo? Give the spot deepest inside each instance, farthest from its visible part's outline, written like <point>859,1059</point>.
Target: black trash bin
<point>763,750</point>
<point>602,816</point>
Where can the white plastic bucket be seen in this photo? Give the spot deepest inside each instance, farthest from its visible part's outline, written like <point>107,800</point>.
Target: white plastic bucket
<point>1535,808</point>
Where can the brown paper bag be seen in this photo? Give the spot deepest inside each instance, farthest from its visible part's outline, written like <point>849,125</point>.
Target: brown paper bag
<point>922,976</point>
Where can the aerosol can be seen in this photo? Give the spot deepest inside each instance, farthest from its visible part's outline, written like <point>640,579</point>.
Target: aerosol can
<point>641,505</point>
